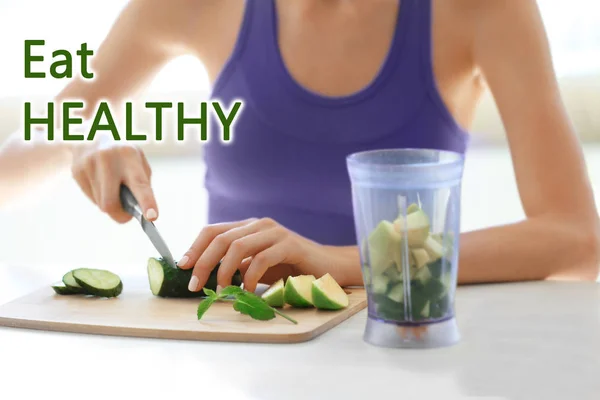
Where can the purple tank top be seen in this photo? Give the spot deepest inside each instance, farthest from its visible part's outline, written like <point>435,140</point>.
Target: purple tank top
<point>287,156</point>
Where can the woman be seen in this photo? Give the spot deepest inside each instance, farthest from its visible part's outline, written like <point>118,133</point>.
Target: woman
<point>322,79</point>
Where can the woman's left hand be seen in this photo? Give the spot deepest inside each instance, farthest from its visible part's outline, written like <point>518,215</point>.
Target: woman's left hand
<point>261,249</point>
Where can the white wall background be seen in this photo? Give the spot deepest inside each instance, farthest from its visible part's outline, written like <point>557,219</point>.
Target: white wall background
<point>573,27</point>
<point>57,228</point>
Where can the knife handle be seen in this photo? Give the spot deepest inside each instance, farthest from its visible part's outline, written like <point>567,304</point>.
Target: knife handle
<point>129,203</point>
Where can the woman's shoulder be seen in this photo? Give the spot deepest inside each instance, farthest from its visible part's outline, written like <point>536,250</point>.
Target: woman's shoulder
<point>188,25</point>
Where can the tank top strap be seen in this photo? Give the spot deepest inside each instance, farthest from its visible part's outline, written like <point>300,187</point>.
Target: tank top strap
<point>425,41</point>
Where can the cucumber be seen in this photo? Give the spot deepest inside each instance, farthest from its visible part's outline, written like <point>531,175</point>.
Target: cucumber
<point>98,282</point>
<point>62,289</point>
<point>388,309</point>
<point>397,293</point>
<point>69,281</point>
<point>441,307</point>
<point>166,281</point>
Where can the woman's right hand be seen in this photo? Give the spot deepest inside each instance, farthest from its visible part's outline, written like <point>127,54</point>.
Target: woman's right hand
<point>99,169</point>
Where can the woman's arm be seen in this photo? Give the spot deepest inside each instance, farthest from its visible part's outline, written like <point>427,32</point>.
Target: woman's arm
<point>145,36</point>
<point>560,236</point>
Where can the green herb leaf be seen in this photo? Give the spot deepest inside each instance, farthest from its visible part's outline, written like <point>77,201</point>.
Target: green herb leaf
<point>205,305</point>
<point>249,304</point>
<point>231,291</point>
<point>244,302</point>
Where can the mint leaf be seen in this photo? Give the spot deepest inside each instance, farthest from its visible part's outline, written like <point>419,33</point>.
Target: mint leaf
<point>244,302</point>
<point>231,291</point>
<point>255,309</point>
<point>205,305</point>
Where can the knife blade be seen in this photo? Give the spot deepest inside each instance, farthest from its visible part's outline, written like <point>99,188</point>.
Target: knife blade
<point>131,206</point>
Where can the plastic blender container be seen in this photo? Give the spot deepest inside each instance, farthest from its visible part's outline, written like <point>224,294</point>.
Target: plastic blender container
<point>407,217</point>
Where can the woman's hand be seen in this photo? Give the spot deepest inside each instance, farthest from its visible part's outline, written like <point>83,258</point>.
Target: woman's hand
<point>101,167</point>
<point>261,249</point>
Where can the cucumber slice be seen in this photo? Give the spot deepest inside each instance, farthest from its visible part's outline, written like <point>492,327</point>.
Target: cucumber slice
<point>440,308</point>
<point>423,276</point>
<point>62,289</point>
<point>98,282</point>
<point>388,309</point>
<point>166,281</point>
<point>69,281</point>
<point>397,293</point>
<point>435,289</point>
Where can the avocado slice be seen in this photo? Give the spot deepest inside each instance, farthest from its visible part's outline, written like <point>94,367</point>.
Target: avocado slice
<point>434,249</point>
<point>384,244</point>
<point>273,296</point>
<point>412,208</point>
<point>421,257</point>
<point>415,226</point>
<point>298,291</point>
<point>328,295</point>
<point>380,284</point>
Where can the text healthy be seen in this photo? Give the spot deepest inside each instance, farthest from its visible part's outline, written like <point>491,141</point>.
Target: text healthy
<point>61,67</point>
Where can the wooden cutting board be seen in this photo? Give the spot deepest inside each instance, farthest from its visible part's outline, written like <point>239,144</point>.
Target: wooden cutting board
<point>137,313</point>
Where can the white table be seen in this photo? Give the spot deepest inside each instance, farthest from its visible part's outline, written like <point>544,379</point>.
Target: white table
<point>520,341</point>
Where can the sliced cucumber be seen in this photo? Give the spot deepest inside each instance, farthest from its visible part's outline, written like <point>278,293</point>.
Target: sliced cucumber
<point>423,276</point>
<point>98,282</point>
<point>166,281</point>
<point>69,281</point>
<point>397,293</point>
<point>62,289</point>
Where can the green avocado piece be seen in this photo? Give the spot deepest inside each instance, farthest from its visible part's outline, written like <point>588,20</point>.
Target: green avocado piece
<point>384,246</point>
<point>380,284</point>
<point>421,257</point>
<point>412,208</point>
<point>434,249</point>
<point>415,226</point>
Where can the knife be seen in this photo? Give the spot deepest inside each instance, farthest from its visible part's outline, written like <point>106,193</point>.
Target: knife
<point>131,206</point>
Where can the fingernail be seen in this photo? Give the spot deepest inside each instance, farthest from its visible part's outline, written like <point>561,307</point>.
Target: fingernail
<point>183,261</point>
<point>151,214</point>
<point>219,288</point>
<point>193,286</point>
